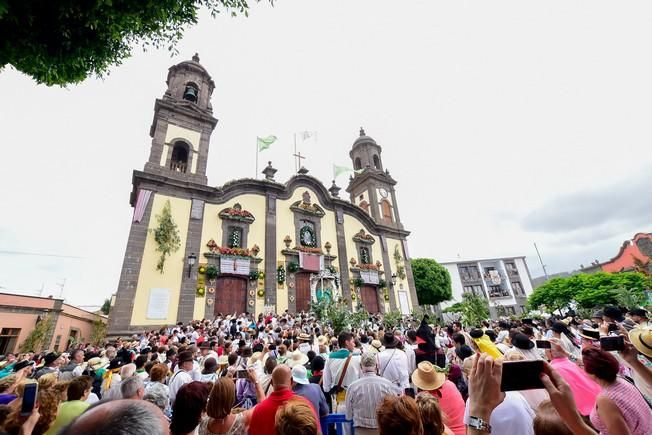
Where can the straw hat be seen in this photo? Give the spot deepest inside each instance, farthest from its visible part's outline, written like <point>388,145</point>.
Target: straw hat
<point>298,358</point>
<point>253,359</point>
<point>427,378</point>
<point>641,338</point>
<point>304,337</point>
<point>322,340</point>
<point>95,363</point>
<point>376,346</point>
<point>223,360</point>
<point>589,333</point>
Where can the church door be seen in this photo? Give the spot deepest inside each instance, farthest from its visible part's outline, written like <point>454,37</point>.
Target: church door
<point>302,287</point>
<point>369,296</point>
<point>230,295</point>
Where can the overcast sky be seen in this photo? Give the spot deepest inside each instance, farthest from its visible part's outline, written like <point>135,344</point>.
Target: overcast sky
<point>504,123</point>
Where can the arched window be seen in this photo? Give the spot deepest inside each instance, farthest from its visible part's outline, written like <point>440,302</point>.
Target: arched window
<point>357,164</point>
<point>191,93</point>
<point>386,209</point>
<point>376,162</point>
<point>365,258</point>
<point>365,206</point>
<point>179,161</point>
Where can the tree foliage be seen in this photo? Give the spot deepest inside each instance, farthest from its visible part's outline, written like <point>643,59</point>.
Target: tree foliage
<point>59,42</point>
<point>106,307</point>
<point>98,333</point>
<point>473,309</point>
<point>432,281</point>
<point>166,236</point>
<point>592,290</point>
<point>36,340</point>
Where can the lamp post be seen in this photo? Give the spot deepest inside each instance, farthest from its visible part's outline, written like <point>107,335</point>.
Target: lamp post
<point>393,279</point>
<point>191,262</point>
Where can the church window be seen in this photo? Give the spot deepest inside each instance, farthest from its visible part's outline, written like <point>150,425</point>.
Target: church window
<point>191,93</point>
<point>365,206</point>
<point>235,237</point>
<point>307,236</point>
<point>179,161</point>
<point>376,162</point>
<point>386,208</point>
<point>357,164</point>
<point>365,258</point>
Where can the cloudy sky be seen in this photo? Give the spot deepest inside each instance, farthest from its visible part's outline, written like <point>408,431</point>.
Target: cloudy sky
<point>505,123</point>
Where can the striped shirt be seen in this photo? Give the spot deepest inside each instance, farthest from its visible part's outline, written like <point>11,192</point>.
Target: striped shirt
<point>363,397</point>
<point>632,405</point>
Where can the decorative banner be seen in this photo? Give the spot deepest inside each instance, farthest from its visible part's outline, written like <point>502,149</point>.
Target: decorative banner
<point>237,266</point>
<point>369,276</point>
<point>141,204</point>
<point>311,262</point>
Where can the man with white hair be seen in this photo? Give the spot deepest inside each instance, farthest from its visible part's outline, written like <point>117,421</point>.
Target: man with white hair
<point>132,388</point>
<point>365,394</point>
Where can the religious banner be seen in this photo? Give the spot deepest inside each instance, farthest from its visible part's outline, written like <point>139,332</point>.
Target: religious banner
<point>237,266</point>
<point>141,204</point>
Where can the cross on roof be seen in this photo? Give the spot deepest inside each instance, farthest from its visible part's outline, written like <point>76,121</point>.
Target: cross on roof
<point>297,163</point>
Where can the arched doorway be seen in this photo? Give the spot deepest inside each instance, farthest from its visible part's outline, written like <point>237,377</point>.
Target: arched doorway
<point>230,295</point>
<point>369,296</point>
<point>302,291</point>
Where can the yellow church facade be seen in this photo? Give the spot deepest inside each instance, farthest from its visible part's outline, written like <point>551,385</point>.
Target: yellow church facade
<point>251,245</point>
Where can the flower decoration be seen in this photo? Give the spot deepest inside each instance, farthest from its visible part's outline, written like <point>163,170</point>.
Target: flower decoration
<point>212,246</point>
<point>212,272</point>
<point>261,293</point>
<point>202,269</point>
<point>280,275</point>
<point>293,266</point>
<point>201,291</point>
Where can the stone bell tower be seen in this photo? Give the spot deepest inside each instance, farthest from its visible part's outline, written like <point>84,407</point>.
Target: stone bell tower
<point>372,188</point>
<point>183,123</point>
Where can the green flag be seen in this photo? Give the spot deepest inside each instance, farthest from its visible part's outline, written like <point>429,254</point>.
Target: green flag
<point>265,142</point>
<point>338,170</point>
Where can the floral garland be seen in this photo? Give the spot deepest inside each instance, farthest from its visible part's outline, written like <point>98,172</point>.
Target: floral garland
<point>368,266</point>
<point>280,275</point>
<point>358,282</point>
<point>308,250</point>
<point>256,274</point>
<point>293,266</point>
<point>307,230</point>
<point>236,252</point>
<point>212,272</point>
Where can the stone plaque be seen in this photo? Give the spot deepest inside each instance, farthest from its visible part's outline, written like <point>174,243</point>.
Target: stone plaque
<point>197,209</point>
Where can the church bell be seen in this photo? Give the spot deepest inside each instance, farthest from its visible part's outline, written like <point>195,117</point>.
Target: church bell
<point>190,94</point>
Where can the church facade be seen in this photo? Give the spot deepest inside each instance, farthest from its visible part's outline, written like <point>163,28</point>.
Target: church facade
<point>252,245</point>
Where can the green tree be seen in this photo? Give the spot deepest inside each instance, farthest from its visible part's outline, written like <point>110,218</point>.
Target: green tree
<point>591,290</point>
<point>473,309</point>
<point>36,340</point>
<point>166,235</point>
<point>391,319</point>
<point>98,333</point>
<point>106,307</point>
<point>58,42</point>
<point>432,281</point>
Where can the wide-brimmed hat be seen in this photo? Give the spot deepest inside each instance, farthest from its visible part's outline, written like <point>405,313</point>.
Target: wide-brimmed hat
<point>95,363</point>
<point>254,358</point>
<point>116,363</point>
<point>205,345</point>
<point>185,356</point>
<point>297,358</point>
<point>223,360</point>
<point>641,338</point>
<point>376,346</point>
<point>589,333</point>
<point>304,337</point>
<point>322,340</point>
<point>522,341</point>
<point>426,377</point>
<point>390,340</point>
<point>21,365</point>
<point>300,375</point>
<point>50,358</point>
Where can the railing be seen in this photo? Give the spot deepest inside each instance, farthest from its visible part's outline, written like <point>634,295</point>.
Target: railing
<point>179,166</point>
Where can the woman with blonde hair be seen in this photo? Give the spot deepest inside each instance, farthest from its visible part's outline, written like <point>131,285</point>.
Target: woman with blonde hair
<point>431,416</point>
<point>296,417</point>
<point>48,404</point>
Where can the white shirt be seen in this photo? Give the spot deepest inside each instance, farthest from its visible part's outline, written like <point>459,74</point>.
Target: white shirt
<point>333,371</point>
<point>512,416</point>
<point>179,379</point>
<point>393,366</point>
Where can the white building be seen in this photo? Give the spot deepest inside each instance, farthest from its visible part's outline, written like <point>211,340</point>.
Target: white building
<point>503,282</point>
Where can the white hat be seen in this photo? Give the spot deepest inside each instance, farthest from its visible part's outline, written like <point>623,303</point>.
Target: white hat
<point>300,375</point>
<point>297,358</point>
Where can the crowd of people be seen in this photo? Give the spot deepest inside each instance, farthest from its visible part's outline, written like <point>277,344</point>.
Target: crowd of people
<point>282,374</point>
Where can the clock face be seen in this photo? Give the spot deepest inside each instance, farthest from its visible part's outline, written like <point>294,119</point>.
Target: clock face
<point>383,193</point>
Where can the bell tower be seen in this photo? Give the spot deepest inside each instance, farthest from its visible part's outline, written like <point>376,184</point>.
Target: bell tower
<point>372,188</point>
<point>183,123</point>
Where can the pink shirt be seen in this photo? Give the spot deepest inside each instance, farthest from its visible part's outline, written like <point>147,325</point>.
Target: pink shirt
<point>585,390</point>
<point>452,406</point>
<point>632,405</point>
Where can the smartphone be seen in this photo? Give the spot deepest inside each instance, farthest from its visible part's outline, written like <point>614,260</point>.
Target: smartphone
<point>612,343</point>
<point>241,374</point>
<point>521,375</point>
<point>613,327</point>
<point>410,392</point>
<point>543,344</point>
<point>29,399</point>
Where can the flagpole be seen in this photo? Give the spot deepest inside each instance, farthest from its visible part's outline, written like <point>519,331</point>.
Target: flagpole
<point>296,168</point>
<point>256,176</point>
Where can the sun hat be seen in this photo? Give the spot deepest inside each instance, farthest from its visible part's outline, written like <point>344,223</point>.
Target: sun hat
<point>95,363</point>
<point>222,360</point>
<point>304,337</point>
<point>116,363</point>
<point>641,338</point>
<point>297,358</point>
<point>522,341</point>
<point>300,375</point>
<point>376,346</point>
<point>427,378</point>
<point>589,333</point>
<point>21,365</point>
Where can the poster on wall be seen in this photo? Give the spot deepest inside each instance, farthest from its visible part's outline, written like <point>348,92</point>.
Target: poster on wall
<point>158,303</point>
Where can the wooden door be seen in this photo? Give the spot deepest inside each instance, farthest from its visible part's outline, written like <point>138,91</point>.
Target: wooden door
<point>302,287</point>
<point>369,296</point>
<point>230,295</point>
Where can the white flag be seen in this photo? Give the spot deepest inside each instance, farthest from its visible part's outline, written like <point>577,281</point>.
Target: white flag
<point>305,135</point>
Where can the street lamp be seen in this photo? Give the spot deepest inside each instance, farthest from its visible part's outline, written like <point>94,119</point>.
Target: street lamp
<point>393,279</point>
<point>191,262</point>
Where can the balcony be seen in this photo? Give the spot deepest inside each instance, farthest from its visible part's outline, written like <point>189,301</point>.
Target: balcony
<point>498,292</point>
<point>178,166</point>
